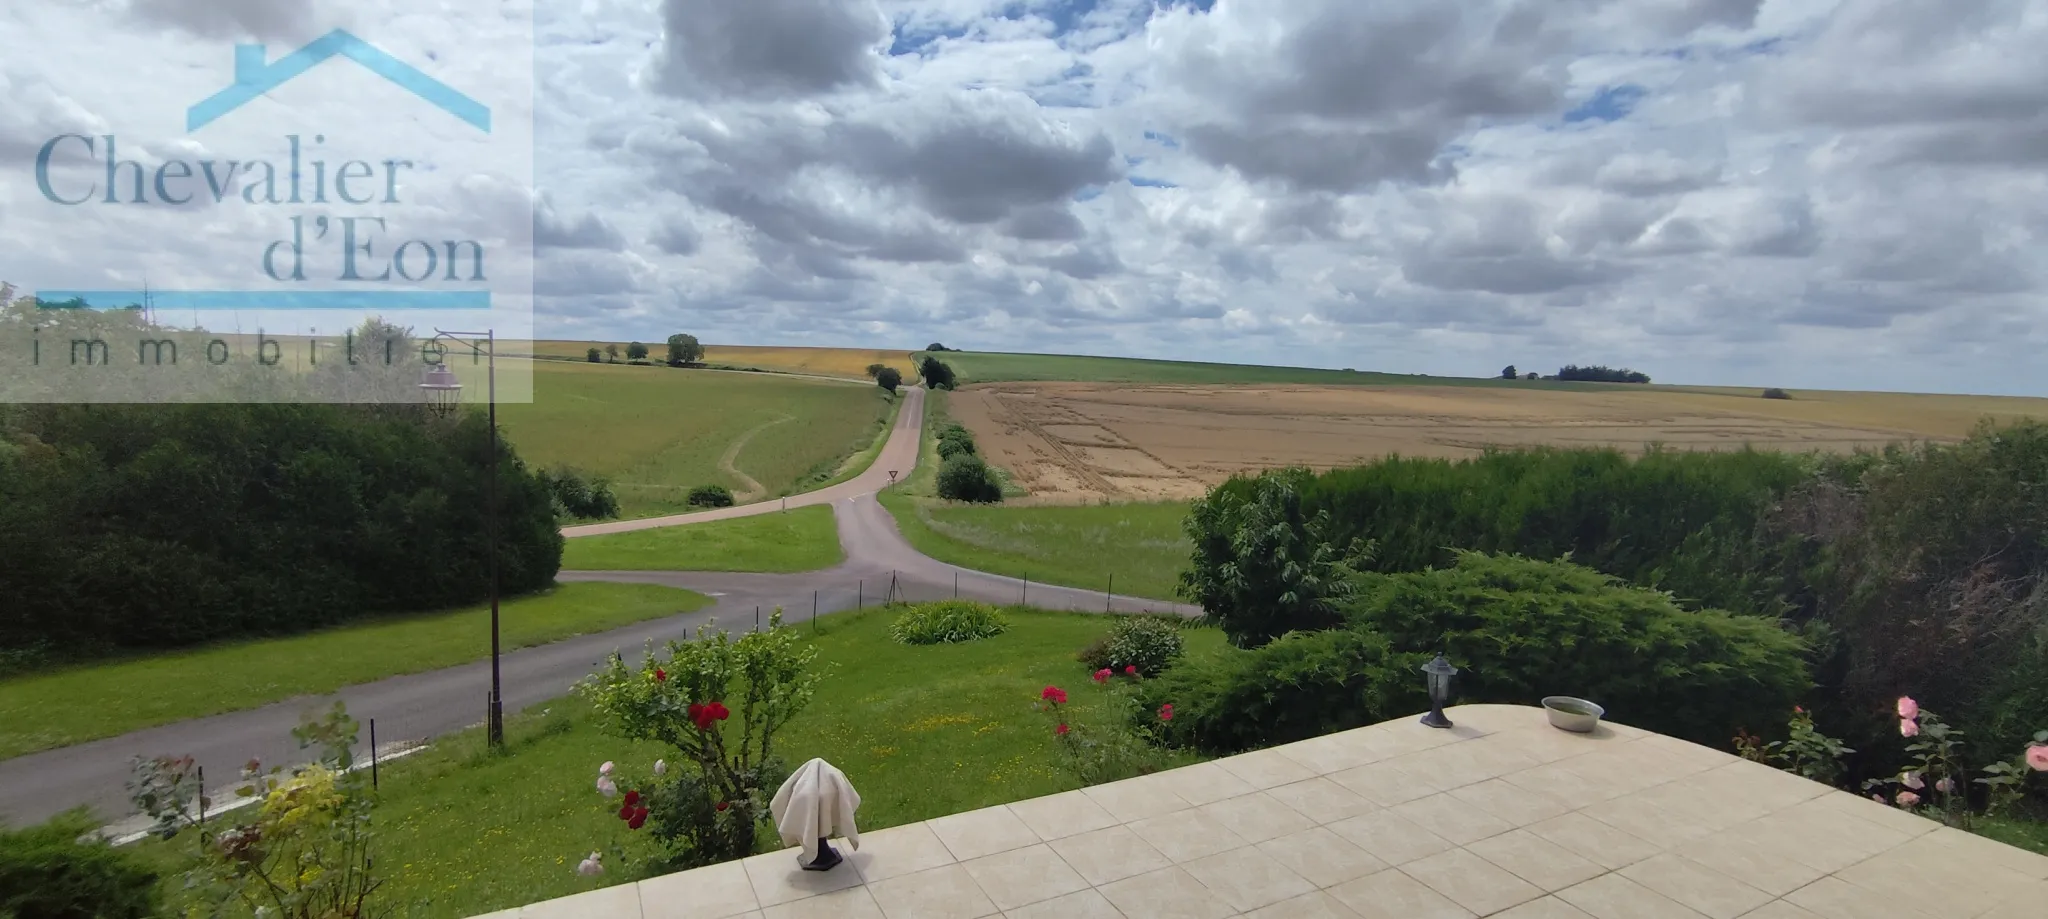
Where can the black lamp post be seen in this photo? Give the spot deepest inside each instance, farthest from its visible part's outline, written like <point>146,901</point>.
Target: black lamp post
<point>1439,673</point>
<point>444,396</point>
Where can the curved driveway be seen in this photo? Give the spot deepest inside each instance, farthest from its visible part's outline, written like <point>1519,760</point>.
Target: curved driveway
<point>424,705</point>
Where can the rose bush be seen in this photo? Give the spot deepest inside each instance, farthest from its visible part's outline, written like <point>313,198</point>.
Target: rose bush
<point>1110,749</point>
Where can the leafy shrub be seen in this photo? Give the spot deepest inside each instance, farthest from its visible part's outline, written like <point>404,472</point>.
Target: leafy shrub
<point>1776,393</point>
<point>1149,643</point>
<point>955,440</point>
<point>710,496</point>
<point>966,478</point>
<point>1094,655</point>
<point>580,498</point>
<point>1115,745</point>
<point>948,622</point>
<point>594,356</point>
<point>1521,629</point>
<point>1263,563</point>
<point>46,872</point>
<point>1301,685</point>
<point>937,375</point>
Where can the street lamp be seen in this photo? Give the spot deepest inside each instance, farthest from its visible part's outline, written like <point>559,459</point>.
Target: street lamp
<point>444,393</point>
<point>1439,673</point>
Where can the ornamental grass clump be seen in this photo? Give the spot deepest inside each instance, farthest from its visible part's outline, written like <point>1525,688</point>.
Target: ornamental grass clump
<point>718,702</point>
<point>948,622</point>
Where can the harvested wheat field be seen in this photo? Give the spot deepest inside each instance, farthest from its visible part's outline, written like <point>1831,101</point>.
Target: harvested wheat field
<point>1083,442</point>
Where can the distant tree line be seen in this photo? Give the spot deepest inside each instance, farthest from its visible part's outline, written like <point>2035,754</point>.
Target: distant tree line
<point>1573,372</point>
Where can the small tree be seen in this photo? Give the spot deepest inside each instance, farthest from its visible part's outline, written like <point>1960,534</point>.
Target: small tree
<point>1508,372</point>
<point>1262,566</point>
<point>889,378</point>
<point>936,374</point>
<point>875,371</point>
<point>966,478</point>
<point>935,346</point>
<point>636,352</point>
<point>594,356</point>
<point>1530,375</point>
<point>684,349</point>
<point>612,351</point>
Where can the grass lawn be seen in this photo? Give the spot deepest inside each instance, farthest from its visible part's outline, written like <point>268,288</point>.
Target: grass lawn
<point>921,731</point>
<point>656,432</point>
<point>804,539</point>
<point>74,705</point>
<point>995,367</point>
<point>2031,835</point>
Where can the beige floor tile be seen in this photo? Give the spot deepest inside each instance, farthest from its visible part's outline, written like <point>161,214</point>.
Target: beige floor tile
<point>853,903</point>
<point>1696,803</point>
<point>1537,860</point>
<point>620,900</point>
<point>982,832</point>
<point>1136,799</point>
<point>1169,893</point>
<point>1548,744</point>
<point>1109,854</point>
<point>1611,896</point>
<point>1460,764</point>
<point>899,850</point>
<point>1386,783</point>
<point>1827,838</point>
<point>1973,846</point>
<point>1472,882</point>
<point>1762,859</point>
<point>1248,879</point>
<point>1558,782</point>
<point>1774,789</point>
<point>1695,758</point>
<point>1266,769</point>
<point>1779,909</point>
<point>1510,803</point>
<point>777,879</point>
<point>1834,898</point>
<point>1696,886</point>
<point>1941,879</point>
<point>1322,800</point>
<point>1081,904</point>
<point>1545,908</point>
<point>1330,753</point>
<point>1187,835</point>
<point>1393,895</point>
<point>1256,817</point>
<point>1021,877</point>
<point>1318,905</point>
<point>1594,841</point>
<point>2029,905</point>
<point>1494,718</point>
<point>1323,857</point>
<point>1451,818</point>
<point>1203,783</point>
<point>1065,814</point>
<point>947,892</point>
<point>1390,838</point>
<point>1621,771</point>
<point>1646,821</point>
<point>712,892</point>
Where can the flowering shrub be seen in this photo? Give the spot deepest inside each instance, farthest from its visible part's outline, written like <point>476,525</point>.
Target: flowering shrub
<point>1149,643</point>
<point>1808,752</point>
<point>947,622</point>
<point>1931,780</point>
<point>1110,750</point>
<point>718,701</point>
<point>304,850</point>
<point>2004,782</point>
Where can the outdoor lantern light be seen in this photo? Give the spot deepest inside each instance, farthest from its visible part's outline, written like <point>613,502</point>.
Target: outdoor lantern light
<point>1440,672</point>
<point>444,391</point>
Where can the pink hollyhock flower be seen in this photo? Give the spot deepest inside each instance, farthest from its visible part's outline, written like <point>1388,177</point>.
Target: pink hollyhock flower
<point>1912,780</point>
<point>1102,676</point>
<point>1908,709</point>
<point>590,867</point>
<point>660,767</point>
<point>605,769</point>
<point>1945,786</point>
<point>1909,729</point>
<point>2037,757</point>
<point>1908,799</point>
<point>606,788</point>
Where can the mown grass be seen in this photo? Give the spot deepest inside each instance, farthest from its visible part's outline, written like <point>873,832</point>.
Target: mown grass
<point>73,705</point>
<point>921,732</point>
<point>804,539</point>
<point>656,432</point>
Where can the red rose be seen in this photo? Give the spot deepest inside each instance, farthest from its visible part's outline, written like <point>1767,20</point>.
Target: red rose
<point>718,711</point>
<point>722,805</point>
<point>1130,670</point>
<point>1054,694</point>
<point>1166,712</point>
<point>1060,731</point>
<point>632,799</point>
<point>639,818</point>
<point>626,813</point>
<point>660,674</point>
<point>1102,675</point>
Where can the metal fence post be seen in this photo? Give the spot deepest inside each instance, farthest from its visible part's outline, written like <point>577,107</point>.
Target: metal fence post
<point>373,753</point>
<point>1024,599</point>
<point>956,585</point>
<point>757,617</point>
<point>1108,592</point>
<point>860,595</point>
<point>814,611</point>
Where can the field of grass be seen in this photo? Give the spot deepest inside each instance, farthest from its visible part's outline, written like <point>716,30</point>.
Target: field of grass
<point>657,432</point>
<point>804,539</point>
<point>47,710</point>
<point>850,363</point>
<point>921,731</point>
<point>996,367</point>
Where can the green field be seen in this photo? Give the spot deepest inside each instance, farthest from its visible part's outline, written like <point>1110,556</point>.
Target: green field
<point>657,432</point>
<point>804,539</point>
<point>921,731</point>
<point>48,710</point>
<point>997,367</point>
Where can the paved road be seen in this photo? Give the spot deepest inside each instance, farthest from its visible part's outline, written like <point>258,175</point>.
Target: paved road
<point>879,564</point>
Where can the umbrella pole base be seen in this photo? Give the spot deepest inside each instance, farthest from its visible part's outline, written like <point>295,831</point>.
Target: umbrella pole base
<point>828,858</point>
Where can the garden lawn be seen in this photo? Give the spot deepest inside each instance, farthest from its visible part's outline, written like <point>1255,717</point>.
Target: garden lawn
<point>920,731</point>
<point>47,710</point>
<point>805,539</point>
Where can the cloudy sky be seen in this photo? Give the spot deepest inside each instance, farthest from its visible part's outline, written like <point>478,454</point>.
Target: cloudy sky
<point>1801,193</point>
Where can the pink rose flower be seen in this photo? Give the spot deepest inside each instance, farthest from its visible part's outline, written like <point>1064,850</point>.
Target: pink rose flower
<point>1909,729</point>
<point>2037,757</point>
<point>1908,709</point>
<point>1945,786</point>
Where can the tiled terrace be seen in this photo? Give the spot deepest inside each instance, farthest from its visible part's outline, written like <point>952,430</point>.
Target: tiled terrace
<point>1501,816</point>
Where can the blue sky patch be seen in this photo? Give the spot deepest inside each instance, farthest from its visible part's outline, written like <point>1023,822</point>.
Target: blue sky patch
<point>1144,182</point>
<point>1611,103</point>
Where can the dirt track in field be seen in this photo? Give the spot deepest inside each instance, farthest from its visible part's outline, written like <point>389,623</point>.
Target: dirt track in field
<point>1084,442</point>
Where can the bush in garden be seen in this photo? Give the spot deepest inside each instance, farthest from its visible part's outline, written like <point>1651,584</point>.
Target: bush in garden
<point>966,478</point>
<point>1521,629</point>
<point>1263,563</point>
<point>710,496</point>
<point>579,497</point>
<point>1149,643</point>
<point>53,870</point>
<point>947,622</point>
<point>718,702</point>
<point>1301,685</point>
<point>1119,744</point>
<point>1094,655</point>
<point>302,852</point>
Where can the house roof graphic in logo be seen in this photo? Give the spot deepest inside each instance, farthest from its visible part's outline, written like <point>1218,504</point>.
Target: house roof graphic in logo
<point>254,77</point>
